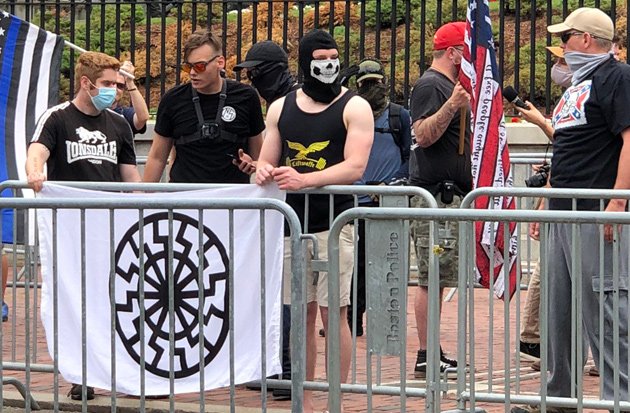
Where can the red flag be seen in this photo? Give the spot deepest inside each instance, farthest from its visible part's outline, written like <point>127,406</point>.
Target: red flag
<point>490,156</point>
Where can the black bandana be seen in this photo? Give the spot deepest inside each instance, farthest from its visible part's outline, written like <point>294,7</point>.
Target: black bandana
<point>314,88</point>
<point>273,81</point>
<point>375,93</point>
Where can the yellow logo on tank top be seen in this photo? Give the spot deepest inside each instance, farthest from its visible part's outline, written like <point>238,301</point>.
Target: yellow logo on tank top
<point>301,159</point>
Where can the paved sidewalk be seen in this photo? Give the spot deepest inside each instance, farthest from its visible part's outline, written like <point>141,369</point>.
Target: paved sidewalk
<point>489,367</point>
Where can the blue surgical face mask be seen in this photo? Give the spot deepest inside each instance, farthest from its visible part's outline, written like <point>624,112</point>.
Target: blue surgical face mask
<point>104,99</point>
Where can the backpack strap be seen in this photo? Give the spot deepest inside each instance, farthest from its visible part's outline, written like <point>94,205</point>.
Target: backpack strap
<point>395,129</point>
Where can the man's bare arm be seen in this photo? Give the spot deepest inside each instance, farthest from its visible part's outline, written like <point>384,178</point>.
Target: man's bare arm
<point>129,173</point>
<point>36,158</point>
<point>428,130</point>
<point>271,149</point>
<point>533,115</point>
<point>157,158</point>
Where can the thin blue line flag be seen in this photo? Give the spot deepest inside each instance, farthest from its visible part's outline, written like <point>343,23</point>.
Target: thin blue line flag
<point>30,61</point>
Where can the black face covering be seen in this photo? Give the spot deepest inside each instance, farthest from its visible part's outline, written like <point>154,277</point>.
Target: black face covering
<point>314,88</point>
<point>273,81</point>
<point>375,93</point>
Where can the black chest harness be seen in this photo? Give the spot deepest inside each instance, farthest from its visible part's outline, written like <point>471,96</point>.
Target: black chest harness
<point>210,130</point>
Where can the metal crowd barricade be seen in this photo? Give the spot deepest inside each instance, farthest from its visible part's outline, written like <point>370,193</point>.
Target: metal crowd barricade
<point>50,365</point>
<point>471,359</point>
<point>390,196</point>
<point>505,380</point>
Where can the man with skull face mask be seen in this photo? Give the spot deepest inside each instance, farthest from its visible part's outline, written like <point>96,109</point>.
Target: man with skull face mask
<point>322,133</point>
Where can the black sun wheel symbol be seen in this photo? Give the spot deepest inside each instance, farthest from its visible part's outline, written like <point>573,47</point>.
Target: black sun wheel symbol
<point>187,291</point>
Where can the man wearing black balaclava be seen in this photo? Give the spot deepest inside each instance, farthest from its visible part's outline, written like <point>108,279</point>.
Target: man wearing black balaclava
<point>267,67</point>
<point>322,134</point>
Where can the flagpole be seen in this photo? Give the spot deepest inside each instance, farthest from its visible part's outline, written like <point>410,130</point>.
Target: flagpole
<point>82,50</point>
<point>462,129</point>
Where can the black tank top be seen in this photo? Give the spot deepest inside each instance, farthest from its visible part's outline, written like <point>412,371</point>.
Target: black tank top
<point>312,142</point>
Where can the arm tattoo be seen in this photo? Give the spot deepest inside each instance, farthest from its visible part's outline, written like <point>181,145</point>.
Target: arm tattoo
<point>430,129</point>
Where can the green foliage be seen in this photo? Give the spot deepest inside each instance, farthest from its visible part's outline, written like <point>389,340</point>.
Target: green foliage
<point>115,26</point>
<point>525,7</point>
<point>371,10</point>
<point>540,73</point>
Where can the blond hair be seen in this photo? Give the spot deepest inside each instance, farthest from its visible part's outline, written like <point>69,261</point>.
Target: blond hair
<point>92,65</point>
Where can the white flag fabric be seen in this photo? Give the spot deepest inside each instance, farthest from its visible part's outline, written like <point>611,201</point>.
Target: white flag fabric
<point>126,276</point>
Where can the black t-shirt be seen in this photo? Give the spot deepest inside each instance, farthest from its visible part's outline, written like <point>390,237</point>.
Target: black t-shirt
<point>208,160</point>
<point>84,147</point>
<point>588,122</point>
<point>313,142</point>
<point>439,162</point>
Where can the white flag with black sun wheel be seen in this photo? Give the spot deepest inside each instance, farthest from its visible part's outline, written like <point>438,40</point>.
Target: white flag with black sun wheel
<point>191,338</point>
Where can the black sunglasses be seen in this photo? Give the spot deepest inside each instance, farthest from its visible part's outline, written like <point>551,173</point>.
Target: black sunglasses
<point>564,37</point>
<point>199,67</point>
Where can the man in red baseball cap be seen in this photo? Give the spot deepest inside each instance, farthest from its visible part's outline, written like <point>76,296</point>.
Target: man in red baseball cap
<point>437,166</point>
<point>449,35</point>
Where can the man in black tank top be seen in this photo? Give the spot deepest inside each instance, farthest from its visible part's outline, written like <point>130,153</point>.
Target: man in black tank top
<point>318,135</point>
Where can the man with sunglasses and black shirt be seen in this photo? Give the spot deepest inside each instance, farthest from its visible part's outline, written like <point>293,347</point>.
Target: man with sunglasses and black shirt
<point>137,114</point>
<point>215,124</point>
<point>591,149</point>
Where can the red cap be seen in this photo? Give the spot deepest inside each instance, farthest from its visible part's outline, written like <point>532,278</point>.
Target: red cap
<point>449,35</point>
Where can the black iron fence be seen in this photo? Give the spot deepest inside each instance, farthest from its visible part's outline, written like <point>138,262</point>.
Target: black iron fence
<point>150,33</point>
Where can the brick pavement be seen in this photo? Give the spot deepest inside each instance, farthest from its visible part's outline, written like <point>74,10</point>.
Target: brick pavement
<point>489,376</point>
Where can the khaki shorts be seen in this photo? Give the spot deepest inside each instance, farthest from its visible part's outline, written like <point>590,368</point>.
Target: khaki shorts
<point>448,233</point>
<point>317,289</point>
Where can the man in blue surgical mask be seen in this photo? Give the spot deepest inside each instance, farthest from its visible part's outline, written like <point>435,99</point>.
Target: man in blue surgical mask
<point>83,140</point>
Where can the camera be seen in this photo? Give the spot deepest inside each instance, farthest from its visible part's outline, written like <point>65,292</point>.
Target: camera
<point>209,130</point>
<point>539,179</point>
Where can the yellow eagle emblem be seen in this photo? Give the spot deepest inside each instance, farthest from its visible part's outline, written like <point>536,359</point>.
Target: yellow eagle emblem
<point>304,151</point>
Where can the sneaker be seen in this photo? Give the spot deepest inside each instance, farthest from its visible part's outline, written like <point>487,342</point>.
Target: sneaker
<point>593,371</point>
<point>322,332</point>
<point>530,351</point>
<point>420,371</point>
<point>282,394</point>
<point>76,390</point>
<point>5,312</point>
<point>257,384</point>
